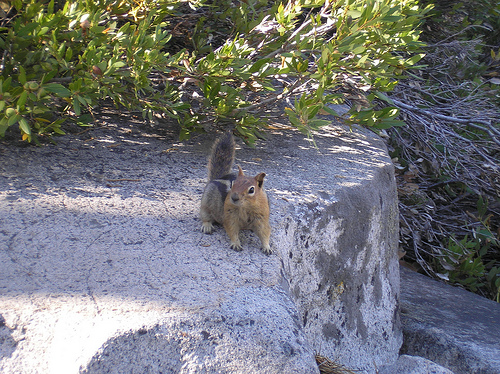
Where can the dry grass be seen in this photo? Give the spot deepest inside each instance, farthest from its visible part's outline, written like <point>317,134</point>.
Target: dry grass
<point>327,366</point>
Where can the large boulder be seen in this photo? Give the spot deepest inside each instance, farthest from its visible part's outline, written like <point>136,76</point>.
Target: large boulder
<point>337,236</point>
<point>103,267</point>
<point>255,330</point>
<point>414,365</point>
<point>450,326</point>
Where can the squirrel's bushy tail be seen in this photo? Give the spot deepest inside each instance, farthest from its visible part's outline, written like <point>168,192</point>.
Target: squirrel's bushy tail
<point>221,158</point>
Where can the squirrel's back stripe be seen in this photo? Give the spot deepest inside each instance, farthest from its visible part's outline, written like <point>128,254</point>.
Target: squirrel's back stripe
<point>224,184</point>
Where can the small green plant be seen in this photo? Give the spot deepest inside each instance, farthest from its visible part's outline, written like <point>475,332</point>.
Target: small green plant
<point>466,262</point>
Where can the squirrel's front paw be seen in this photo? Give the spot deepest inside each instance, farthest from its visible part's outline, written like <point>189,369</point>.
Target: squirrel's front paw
<point>266,249</point>
<point>207,227</point>
<point>237,246</point>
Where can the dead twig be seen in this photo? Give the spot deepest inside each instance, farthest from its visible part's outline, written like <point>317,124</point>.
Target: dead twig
<point>485,126</point>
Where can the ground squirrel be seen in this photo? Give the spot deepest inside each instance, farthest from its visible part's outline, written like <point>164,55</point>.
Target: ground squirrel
<point>237,202</point>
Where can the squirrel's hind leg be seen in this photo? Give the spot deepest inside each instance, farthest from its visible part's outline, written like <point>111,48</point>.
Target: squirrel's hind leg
<point>207,227</point>
<point>212,207</point>
<point>206,220</point>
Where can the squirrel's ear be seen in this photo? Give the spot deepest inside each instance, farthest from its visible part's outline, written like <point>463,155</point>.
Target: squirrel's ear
<point>240,171</point>
<point>260,179</point>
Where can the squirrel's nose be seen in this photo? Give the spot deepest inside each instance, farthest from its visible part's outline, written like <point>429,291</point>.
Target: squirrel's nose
<point>235,197</point>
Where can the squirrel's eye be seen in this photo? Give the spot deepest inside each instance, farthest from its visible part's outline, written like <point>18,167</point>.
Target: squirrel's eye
<point>251,190</point>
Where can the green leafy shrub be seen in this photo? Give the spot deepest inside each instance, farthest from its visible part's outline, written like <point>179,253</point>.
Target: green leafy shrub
<point>309,51</point>
<point>58,61</point>
<point>62,59</point>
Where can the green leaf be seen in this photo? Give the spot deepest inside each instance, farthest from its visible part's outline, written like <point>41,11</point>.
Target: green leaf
<point>358,50</point>
<point>22,100</point>
<point>123,30</point>
<point>83,100</point>
<point>43,31</point>
<point>184,134</point>
<point>390,19</point>
<point>58,89</point>
<point>330,111</point>
<point>13,119</point>
<point>22,75</point>
<point>6,84</point>
<point>258,64</point>
<point>383,97</point>
<point>26,30</point>
<point>387,124</point>
<point>214,91</point>
<point>354,13</point>
<point>23,125</point>
<point>48,76</point>
<point>414,59</point>
<point>313,111</point>
<point>69,54</point>
<point>3,126</point>
<point>294,120</point>
<point>50,7</point>
<point>76,106</point>
<point>118,64</point>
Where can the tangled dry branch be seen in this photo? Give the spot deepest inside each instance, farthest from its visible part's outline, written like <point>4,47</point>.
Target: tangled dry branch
<point>454,119</point>
<point>452,142</point>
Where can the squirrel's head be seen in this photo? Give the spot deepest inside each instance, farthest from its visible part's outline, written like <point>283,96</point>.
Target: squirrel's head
<point>246,188</point>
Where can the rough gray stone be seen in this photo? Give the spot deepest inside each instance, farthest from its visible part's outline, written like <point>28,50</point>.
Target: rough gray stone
<point>414,365</point>
<point>452,327</point>
<point>103,266</point>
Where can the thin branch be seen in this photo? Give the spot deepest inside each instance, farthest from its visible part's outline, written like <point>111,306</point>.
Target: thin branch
<point>490,130</point>
<point>441,42</point>
<point>291,90</point>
